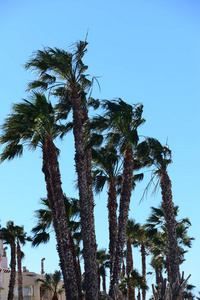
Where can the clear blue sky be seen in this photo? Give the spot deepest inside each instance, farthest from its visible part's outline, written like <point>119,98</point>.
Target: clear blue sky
<point>145,51</point>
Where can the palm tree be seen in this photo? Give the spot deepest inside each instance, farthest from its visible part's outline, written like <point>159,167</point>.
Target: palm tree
<point>106,168</point>
<point>103,262</point>
<point>21,238</point>
<point>59,68</point>
<point>8,235</point>
<point>138,236</point>
<point>34,122</point>
<point>132,228</point>
<point>134,280</point>
<point>121,121</point>
<point>157,231</point>
<point>45,222</point>
<point>153,153</point>
<point>187,293</point>
<point>158,250</point>
<point>52,282</point>
<point>44,227</point>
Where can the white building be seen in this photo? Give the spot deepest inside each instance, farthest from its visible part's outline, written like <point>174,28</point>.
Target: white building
<point>31,288</point>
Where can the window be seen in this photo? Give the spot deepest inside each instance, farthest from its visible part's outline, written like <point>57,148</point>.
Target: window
<point>28,292</point>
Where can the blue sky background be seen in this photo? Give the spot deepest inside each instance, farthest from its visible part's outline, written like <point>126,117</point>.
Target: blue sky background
<point>145,51</point>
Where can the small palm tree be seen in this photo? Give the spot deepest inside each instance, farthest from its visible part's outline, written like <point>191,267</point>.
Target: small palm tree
<point>103,262</point>
<point>9,235</point>
<point>133,280</point>
<point>45,223</point>
<point>21,238</point>
<point>52,282</point>
<point>132,228</point>
<point>138,236</point>
<point>157,231</point>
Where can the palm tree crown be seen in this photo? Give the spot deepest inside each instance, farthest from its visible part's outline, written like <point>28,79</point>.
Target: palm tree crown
<point>52,282</point>
<point>30,122</point>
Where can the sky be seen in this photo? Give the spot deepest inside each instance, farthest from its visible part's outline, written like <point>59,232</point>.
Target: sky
<point>144,51</point>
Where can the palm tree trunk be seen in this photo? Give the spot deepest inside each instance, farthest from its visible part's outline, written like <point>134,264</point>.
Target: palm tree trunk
<point>129,256</point>
<point>168,209</point>
<point>19,272</point>
<point>123,270</point>
<point>112,219</point>
<point>42,292</point>
<point>86,200</point>
<point>143,254</point>
<point>56,203</point>
<point>77,267</point>
<point>99,282</point>
<point>129,267</point>
<point>138,296</point>
<point>104,283</point>
<point>123,215</point>
<point>157,271</point>
<point>13,271</point>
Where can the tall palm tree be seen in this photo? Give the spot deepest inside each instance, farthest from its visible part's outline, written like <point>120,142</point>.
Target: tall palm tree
<point>59,68</point>
<point>121,121</point>
<point>160,157</point>
<point>34,122</point>
<point>52,282</point>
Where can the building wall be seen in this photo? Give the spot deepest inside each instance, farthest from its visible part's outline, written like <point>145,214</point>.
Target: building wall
<point>32,287</point>
<point>30,284</point>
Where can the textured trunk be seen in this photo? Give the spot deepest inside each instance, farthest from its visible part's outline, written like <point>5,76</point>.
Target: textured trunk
<point>19,272</point>
<point>112,219</point>
<point>138,296</point>
<point>104,283</point>
<point>83,168</point>
<point>56,203</point>
<point>129,256</point>
<point>42,292</point>
<point>157,271</point>
<point>143,254</point>
<point>129,267</point>
<point>167,267</point>
<point>99,282</point>
<point>168,209</point>
<point>123,270</point>
<point>13,271</point>
<point>123,215</point>
<point>55,297</point>
<point>168,292</point>
<point>77,267</point>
